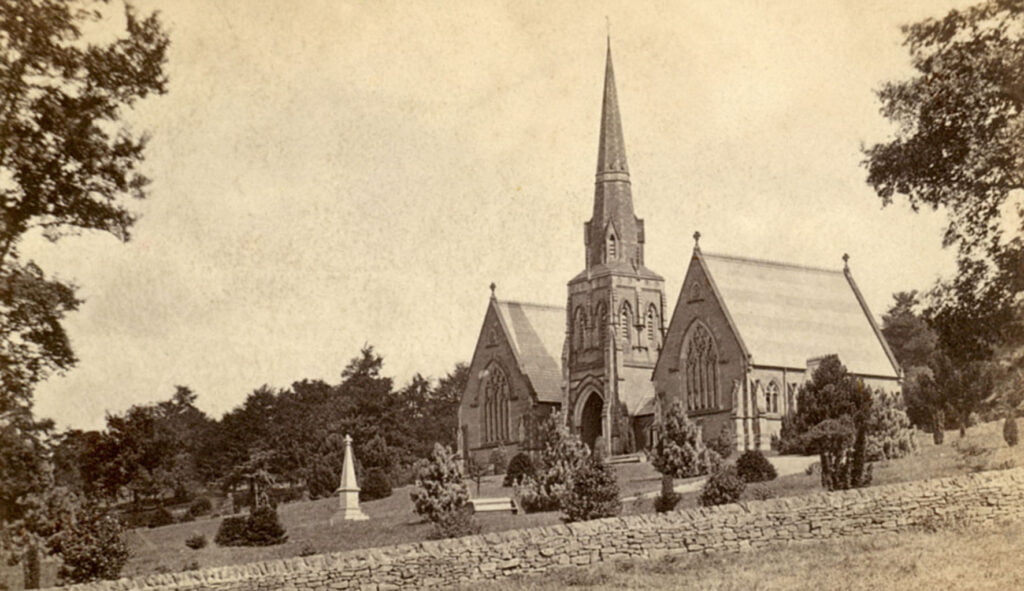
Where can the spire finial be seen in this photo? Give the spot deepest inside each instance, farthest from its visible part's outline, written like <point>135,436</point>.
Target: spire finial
<point>696,239</point>
<point>494,286</point>
<point>846,262</point>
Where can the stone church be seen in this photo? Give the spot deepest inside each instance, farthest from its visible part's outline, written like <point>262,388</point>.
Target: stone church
<point>743,336</point>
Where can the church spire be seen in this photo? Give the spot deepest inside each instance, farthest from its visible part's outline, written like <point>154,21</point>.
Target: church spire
<point>611,153</point>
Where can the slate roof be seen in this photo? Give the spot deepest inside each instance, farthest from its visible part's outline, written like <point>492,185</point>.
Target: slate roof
<point>537,334</point>
<point>785,314</point>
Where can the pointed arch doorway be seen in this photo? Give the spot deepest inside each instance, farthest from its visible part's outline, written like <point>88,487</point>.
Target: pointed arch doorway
<point>592,419</point>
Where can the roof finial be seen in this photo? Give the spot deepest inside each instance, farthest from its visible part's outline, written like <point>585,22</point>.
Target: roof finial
<point>846,262</point>
<point>696,240</point>
<point>494,286</point>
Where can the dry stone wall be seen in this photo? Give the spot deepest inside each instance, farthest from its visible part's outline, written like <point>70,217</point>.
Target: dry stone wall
<point>977,498</point>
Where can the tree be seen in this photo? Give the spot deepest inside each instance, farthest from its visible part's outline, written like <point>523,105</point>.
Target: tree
<point>959,146</point>
<point>594,493</point>
<point>439,489</point>
<point>907,332</point>
<point>66,158</point>
<point>680,451</point>
<point>66,163</point>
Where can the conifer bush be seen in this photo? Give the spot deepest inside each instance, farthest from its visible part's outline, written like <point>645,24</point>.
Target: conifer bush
<point>752,466</point>
<point>519,467</point>
<point>594,493</point>
<point>680,452</point>
<point>890,433</point>
<point>196,542</point>
<point>1010,430</point>
<point>722,487</point>
<point>261,528</point>
<point>455,524</point>
<point>439,487</point>
<point>160,518</point>
<point>561,457</point>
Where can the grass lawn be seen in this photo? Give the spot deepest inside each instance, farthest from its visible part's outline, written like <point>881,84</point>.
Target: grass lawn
<point>392,520</point>
<point>974,558</point>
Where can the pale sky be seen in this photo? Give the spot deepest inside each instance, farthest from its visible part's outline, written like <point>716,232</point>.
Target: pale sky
<point>328,174</point>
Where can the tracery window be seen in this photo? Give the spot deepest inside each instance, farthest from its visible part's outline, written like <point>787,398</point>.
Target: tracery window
<point>496,419</point>
<point>626,322</point>
<point>701,369</point>
<point>771,397</point>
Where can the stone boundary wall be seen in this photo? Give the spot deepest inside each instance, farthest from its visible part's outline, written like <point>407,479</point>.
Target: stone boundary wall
<point>976,498</point>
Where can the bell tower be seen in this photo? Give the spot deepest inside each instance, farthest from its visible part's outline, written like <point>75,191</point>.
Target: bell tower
<point>615,305</point>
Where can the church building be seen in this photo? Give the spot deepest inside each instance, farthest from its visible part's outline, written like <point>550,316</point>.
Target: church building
<point>744,335</point>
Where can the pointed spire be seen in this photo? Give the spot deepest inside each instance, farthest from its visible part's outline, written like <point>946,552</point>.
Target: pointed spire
<point>611,153</point>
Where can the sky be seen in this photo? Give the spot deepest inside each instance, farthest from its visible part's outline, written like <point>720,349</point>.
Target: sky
<point>329,174</point>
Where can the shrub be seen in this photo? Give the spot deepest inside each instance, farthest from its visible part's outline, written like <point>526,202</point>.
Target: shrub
<point>1010,430</point>
<point>561,457</point>
<point>196,542</point>
<point>813,468</point>
<point>261,528</point>
<point>307,550</point>
<point>520,467</point>
<point>760,492</point>
<point>725,443</point>
<point>91,547</point>
<point>594,493</point>
<point>160,518</point>
<point>890,434</point>
<point>375,486</point>
<point>843,445</point>
<point>663,503</point>
<point>200,506</point>
<point>752,466</point>
<point>439,486</point>
<point>722,487</point>
<point>231,532</point>
<point>532,498</point>
<point>680,452</point>
<point>455,524</point>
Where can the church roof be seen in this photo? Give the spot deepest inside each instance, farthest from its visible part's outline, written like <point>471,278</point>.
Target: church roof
<point>536,333</point>
<point>786,314</point>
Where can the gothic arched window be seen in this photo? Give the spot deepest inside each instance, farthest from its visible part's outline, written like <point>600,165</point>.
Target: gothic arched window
<point>771,397</point>
<point>612,247</point>
<point>496,423</point>
<point>580,327</point>
<point>652,327</point>
<point>701,363</point>
<point>602,324</point>
<point>626,322</point>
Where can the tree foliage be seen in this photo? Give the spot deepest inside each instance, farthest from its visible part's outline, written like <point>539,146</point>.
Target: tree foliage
<point>959,146</point>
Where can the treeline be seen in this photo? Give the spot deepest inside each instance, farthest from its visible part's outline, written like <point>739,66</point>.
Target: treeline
<point>171,450</point>
<point>960,365</point>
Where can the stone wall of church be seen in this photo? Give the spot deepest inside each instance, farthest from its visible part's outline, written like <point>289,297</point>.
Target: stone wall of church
<point>989,497</point>
<point>696,302</point>
<point>494,350</point>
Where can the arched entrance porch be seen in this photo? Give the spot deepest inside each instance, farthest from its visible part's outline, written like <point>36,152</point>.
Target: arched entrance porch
<point>592,419</point>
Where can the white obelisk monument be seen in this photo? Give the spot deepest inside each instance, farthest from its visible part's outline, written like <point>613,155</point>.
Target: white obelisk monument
<point>348,492</point>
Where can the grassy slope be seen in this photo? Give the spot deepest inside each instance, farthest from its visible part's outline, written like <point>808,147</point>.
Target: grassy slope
<point>977,558</point>
<point>393,522</point>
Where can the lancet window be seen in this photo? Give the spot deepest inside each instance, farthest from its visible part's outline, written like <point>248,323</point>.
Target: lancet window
<point>771,397</point>
<point>626,323</point>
